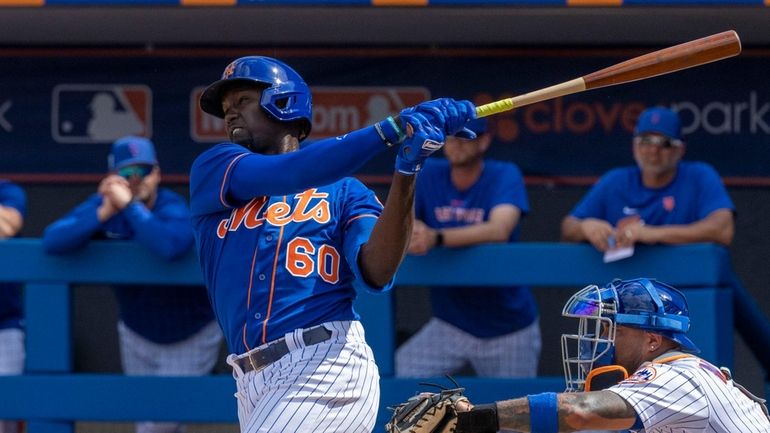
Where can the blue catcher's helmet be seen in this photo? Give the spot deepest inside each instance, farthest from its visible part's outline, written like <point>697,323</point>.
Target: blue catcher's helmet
<point>286,97</point>
<point>656,307</point>
<point>639,303</point>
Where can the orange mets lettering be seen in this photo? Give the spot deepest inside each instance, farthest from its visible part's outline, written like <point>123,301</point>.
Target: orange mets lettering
<point>319,212</point>
<point>249,212</point>
<point>254,214</point>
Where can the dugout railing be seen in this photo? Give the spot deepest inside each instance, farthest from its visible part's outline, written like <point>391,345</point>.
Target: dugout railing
<point>51,397</point>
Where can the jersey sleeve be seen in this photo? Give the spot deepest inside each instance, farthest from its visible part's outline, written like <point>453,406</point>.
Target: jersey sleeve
<point>663,396</point>
<point>11,195</point>
<point>73,230</point>
<point>594,203</point>
<point>713,195</point>
<point>228,175</point>
<point>360,213</point>
<point>210,178</point>
<point>510,189</point>
<point>167,230</point>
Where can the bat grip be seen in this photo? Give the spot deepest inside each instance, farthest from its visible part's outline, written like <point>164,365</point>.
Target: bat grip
<point>494,107</point>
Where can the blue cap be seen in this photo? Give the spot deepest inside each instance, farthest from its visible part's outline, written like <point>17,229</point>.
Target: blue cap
<point>131,150</point>
<point>659,120</point>
<point>479,126</point>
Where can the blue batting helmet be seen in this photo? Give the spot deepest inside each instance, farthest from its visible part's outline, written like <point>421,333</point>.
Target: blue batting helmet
<point>286,97</point>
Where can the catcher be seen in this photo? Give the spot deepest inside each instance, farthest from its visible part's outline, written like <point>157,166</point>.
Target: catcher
<point>637,325</point>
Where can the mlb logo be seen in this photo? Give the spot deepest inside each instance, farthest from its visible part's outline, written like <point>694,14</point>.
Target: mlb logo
<point>100,113</point>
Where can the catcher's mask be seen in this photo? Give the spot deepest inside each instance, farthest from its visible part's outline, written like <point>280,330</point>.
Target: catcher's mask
<point>639,303</point>
<point>286,96</point>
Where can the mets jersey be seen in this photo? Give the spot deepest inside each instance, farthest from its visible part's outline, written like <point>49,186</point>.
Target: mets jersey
<point>11,195</point>
<point>683,394</point>
<point>276,263</point>
<point>695,192</point>
<point>484,312</point>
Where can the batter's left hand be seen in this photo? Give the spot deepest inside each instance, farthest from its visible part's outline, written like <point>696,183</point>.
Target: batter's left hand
<point>447,114</point>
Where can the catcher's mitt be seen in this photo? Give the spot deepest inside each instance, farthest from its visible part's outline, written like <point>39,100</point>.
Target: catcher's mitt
<point>427,413</point>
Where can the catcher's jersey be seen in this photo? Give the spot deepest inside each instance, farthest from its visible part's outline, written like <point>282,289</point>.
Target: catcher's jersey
<point>278,263</point>
<point>685,394</point>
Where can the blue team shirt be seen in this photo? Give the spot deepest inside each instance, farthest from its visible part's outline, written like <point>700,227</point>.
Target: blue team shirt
<point>163,314</point>
<point>481,311</point>
<point>694,193</point>
<point>276,263</point>
<point>11,195</point>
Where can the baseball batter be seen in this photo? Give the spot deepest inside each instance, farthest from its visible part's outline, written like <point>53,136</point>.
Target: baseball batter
<point>285,241</point>
<point>13,208</point>
<point>637,326</point>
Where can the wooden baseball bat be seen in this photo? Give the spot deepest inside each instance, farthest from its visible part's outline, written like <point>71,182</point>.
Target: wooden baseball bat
<point>694,53</point>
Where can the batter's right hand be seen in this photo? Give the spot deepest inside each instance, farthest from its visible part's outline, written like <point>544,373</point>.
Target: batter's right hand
<point>598,232</point>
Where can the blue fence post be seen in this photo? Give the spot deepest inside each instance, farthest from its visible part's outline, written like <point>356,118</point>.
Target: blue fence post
<point>49,340</point>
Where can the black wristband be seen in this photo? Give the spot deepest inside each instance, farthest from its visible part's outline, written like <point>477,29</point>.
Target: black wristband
<point>439,238</point>
<point>481,419</point>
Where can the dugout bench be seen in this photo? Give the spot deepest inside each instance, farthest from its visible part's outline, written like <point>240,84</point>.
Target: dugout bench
<point>51,397</point>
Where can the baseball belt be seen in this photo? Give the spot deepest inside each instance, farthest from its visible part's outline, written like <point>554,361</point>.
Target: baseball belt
<point>258,359</point>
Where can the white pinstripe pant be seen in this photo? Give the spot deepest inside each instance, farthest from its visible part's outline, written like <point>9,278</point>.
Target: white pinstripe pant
<point>440,348</point>
<point>194,356</point>
<point>329,387</point>
<point>12,356</point>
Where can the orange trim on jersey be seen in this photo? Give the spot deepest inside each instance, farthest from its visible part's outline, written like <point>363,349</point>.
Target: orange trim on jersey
<point>248,298</point>
<point>272,283</point>
<point>224,178</point>
<point>367,215</point>
<point>673,358</point>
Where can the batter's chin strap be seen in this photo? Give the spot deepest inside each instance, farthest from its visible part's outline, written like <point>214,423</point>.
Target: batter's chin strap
<point>761,401</point>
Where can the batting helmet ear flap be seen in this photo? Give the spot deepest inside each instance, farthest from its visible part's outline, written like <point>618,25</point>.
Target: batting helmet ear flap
<point>285,97</point>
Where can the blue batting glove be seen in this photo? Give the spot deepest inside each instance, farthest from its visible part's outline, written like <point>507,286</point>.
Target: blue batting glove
<point>425,139</point>
<point>449,115</point>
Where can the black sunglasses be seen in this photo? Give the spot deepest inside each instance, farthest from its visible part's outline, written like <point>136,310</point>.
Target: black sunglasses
<point>130,171</point>
<point>657,141</point>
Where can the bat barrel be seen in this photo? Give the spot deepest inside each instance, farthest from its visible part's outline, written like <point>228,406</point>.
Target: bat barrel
<point>694,53</point>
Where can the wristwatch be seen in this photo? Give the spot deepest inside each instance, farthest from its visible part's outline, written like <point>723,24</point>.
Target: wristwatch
<point>439,238</point>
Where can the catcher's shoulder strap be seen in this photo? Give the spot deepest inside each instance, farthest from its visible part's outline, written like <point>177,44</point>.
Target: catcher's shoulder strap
<point>761,401</point>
